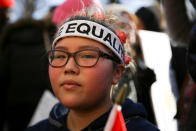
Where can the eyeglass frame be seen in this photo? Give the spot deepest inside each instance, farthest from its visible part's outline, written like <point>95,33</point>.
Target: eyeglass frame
<point>100,54</point>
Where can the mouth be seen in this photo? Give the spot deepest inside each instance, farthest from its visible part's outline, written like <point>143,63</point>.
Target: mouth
<point>70,84</point>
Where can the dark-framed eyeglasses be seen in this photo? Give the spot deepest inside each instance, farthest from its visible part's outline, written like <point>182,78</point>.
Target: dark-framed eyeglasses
<point>83,58</point>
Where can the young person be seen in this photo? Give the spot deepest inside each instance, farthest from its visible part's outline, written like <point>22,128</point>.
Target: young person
<point>86,59</point>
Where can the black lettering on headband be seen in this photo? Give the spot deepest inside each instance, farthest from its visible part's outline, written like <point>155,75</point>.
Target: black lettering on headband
<point>60,31</point>
<point>85,31</point>
<point>70,28</point>
<point>108,38</point>
<point>120,50</point>
<point>114,44</point>
<point>100,35</point>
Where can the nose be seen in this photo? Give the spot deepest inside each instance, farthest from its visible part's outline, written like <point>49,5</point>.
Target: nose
<point>71,67</point>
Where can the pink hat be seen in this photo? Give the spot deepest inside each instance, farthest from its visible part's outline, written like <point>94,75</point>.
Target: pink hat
<point>6,3</point>
<point>69,7</point>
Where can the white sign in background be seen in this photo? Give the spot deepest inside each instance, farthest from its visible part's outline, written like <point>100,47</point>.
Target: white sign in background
<point>157,55</point>
<point>44,107</point>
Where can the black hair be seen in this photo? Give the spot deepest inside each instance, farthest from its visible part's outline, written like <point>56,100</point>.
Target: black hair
<point>149,19</point>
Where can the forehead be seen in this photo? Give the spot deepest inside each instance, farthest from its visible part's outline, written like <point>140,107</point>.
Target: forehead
<point>78,42</point>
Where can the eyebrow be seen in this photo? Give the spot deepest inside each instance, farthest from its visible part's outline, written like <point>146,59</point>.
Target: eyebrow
<point>88,47</point>
<point>80,48</point>
<point>61,48</point>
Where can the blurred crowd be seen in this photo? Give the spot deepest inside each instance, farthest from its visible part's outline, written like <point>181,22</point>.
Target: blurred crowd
<point>24,66</point>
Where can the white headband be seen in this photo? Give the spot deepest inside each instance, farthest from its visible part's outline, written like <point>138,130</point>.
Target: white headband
<point>92,30</point>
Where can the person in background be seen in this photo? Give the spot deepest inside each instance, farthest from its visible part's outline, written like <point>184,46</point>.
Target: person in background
<point>139,83</point>
<point>191,54</point>
<point>50,28</point>
<point>125,24</point>
<point>86,59</point>
<point>5,5</point>
<point>179,30</point>
<point>70,7</point>
<point>23,75</point>
<point>149,19</point>
<point>189,124</point>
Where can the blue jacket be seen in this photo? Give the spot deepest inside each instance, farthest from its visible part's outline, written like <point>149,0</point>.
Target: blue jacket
<point>134,115</point>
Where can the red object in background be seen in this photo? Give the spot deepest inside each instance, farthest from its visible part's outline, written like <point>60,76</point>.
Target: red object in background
<point>69,7</point>
<point>127,59</point>
<point>6,3</point>
<point>122,36</point>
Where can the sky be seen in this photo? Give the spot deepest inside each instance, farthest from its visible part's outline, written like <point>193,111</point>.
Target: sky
<point>44,5</point>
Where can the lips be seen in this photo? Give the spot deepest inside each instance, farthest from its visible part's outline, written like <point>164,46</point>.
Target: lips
<point>70,84</point>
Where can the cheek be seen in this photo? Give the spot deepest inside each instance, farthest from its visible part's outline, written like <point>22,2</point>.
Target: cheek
<point>99,80</point>
<point>54,74</point>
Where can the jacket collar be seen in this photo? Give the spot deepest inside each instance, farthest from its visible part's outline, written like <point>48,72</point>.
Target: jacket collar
<point>129,109</point>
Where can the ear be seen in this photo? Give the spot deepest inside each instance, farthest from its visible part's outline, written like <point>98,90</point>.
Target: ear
<point>117,74</point>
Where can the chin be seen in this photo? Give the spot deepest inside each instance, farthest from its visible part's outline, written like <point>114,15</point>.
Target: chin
<point>71,102</point>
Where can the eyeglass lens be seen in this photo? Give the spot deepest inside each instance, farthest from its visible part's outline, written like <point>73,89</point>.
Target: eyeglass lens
<point>85,58</point>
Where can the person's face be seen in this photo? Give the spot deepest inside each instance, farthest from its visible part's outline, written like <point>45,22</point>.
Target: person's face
<point>79,87</point>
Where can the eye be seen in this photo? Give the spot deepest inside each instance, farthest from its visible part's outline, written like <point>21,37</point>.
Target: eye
<point>60,56</point>
<point>88,55</point>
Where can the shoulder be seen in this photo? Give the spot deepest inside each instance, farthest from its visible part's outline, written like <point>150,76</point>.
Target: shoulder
<point>54,122</point>
<point>131,109</point>
<point>135,117</point>
<point>138,123</point>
